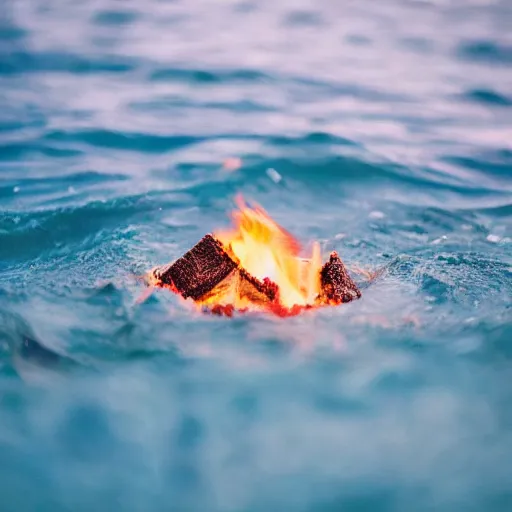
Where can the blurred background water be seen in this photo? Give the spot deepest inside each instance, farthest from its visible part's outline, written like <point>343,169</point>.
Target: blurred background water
<point>383,129</point>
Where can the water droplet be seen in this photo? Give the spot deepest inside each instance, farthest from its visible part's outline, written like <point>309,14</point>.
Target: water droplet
<point>494,239</point>
<point>16,190</point>
<point>274,175</point>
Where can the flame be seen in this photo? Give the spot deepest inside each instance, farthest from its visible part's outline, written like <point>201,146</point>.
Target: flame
<point>255,265</point>
<point>271,254</point>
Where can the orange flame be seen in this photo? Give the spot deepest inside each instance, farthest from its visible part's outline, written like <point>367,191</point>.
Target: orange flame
<point>256,265</point>
<point>268,252</point>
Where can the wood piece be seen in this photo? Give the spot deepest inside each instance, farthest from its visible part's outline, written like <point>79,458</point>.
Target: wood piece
<point>337,285</point>
<point>199,270</point>
<point>224,292</point>
<point>256,290</point>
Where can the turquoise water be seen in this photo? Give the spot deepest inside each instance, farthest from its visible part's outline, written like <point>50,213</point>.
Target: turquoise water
<point>389,125</point>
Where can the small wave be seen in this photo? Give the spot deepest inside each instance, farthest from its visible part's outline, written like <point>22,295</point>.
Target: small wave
<point>16,187</point>
<point>496,163</point>
<point>126,141</point>
<point>317,138</point>
<point>24,236</point>
<point>333,171</point>
<point>488,97</point>
<point>486,52</point>
<point>499,211</point>
<point>171,104</point>
<point>12,33</point>
<point>303,18</point>
<point>17,150</point>
<point>206,76</point>
<point>115,17</point>
<point>21,62</point>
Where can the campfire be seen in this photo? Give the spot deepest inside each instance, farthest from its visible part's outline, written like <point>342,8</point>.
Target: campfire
<point>255,266</point>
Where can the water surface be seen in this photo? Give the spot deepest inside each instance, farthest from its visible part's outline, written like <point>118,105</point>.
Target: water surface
<point>389,125</point>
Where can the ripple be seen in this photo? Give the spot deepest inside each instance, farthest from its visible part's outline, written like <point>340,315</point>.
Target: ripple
<point>304,18</point>
<point>207,76</point>
<point>28,235</point>
<point>486,52</point>
<point>115,17</point>
<point>496,163</point>
<point>16,151</point>
<point>488,97</point>
<point>136,142</point>
<point>12,33</point>
<point>316,138</point>
<point>22,62</point>
<point>38,186</point>
<point>157,105</point>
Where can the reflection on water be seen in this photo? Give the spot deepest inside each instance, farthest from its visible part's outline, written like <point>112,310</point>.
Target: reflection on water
<point>389,128</point>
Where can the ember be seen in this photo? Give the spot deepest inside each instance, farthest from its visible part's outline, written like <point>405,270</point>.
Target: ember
<point>255,266</point>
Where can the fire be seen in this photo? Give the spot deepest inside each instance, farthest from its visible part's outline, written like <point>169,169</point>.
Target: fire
<point>268,251</point>
<point>255,265</point>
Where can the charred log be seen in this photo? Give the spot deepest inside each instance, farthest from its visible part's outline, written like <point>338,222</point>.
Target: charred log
<point>337,285</point>
<point>199,270</point>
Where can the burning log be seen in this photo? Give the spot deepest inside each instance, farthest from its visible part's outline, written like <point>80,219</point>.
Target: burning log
<point>337,285</point>
<point>198,271</point>
<point>256,267</point>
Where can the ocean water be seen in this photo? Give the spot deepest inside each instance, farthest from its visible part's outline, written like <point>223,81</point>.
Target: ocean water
<point>382,129</point>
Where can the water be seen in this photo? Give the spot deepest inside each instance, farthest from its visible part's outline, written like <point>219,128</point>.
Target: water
<point>388,126</point>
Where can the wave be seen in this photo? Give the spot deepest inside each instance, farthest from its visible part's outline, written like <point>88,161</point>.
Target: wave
<point>20,62</point>
<point>485,51</point>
